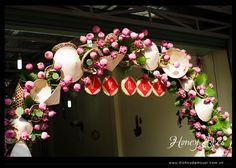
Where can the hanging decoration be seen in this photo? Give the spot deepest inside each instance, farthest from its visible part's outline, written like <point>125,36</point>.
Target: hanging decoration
<point>89,66</point>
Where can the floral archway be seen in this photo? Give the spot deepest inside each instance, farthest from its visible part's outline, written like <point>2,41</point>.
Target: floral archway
<point>89,66</point>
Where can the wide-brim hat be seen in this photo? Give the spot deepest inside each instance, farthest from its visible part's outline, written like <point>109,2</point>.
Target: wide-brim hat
<point>180,56</point>
<point>152,57</point>
<point>204,111</point>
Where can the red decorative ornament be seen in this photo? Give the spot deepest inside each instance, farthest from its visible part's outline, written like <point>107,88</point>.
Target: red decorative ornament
<point>110,86</point>
<point>158,87</point>
<point>128,86</point>
<point>144,87</point>
<point>94,87</point>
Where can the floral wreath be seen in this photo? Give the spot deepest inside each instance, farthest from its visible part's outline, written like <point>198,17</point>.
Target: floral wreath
<point>82,66</point>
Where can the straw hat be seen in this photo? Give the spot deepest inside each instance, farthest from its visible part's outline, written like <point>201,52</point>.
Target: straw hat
<point>204,111</point>
<point>20,149</point>
<point>176,55</point>
<point>66,55</point>
<point>152,56</point>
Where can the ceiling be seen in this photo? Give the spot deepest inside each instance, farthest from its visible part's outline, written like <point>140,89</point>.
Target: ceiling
<point>213,22</point>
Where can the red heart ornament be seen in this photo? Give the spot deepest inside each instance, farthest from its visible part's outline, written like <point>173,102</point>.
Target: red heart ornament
<point>158,87</point>
<point>144,87</point>
<point>128,86</point>
<point>94,87</point>
<point>110,86</point>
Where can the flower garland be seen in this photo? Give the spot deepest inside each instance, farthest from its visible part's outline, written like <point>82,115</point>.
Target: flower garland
<point>77,66</point>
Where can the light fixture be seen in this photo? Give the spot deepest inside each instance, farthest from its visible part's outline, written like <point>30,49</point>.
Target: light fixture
<point>19,63</point>
<point>69,104</point>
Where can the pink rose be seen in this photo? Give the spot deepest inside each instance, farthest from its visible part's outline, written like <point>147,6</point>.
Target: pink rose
<point>203,137</point>
<point>164,43</point>
<point>44,126</point>
<point>189,57</point>
<point>101,35</point>
<point>199,148</point>
<point>99,73</point>
<point>96,29</point>
<point>148,43</point>
<point>186,104</point>
<point>114,54</point>
<point>93,54</point>
<point>181,93</point>
<point>37,127</point>
<point>57,66</point>
<point>41,75</point>
<point>103,62</point>
<point>145,31</point>
<point>197,125</point>
<point>138,44</point>
<point>90,36</point>
<point>29,67</point>
<point>40,66</point>
<point>105,50</point>
<point>219,138</point>
<point>219,133</point>
<point>169,45</point>
<point>87,80</point>
<point>77,87</point>
<point>115,45</point>
<point>65,89</point>
<point>134,35</point>
<point>83,39</point>
<point>141,35</point>
<point>121,38</point>
<point>29,85</point>
<point>51,113</point>
<point>166,58</point>
<point>207,100</point>
<point>157,74</point>
<point>167,84</point>
<point>48,55</point>
<point>132,56</point>
<point>68,80</point>
<point>164,77</point>
<point>191,94</point>
<point>197,69</point>
<point>123,50</point>
<point>42,106</point>
<point>101,43</point>
<point>6,122</point>
<point>8,102</point>
<point>62,84</point>
<point>190,65</point>
<point>27,111</point>
<point>193,112</point>
<point>110,38</point>
<point>220,108</point>
<point>202,92</point>
<point>80,50</point>
<point>184,77</point>
<point>126,31</point>
<point>116,31</point>
<point>45,135</point>
<point>198,134</point>
<point>10,134</point>
<point>25,135</point>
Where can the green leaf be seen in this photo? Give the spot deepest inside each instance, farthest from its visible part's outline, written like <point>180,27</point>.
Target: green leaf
<point>201,79</point>
<point>219,125</point>
<point>33,76</point>
<point>141,60</point>
<point>179,102</point>
<point>32,137</point>
<point>227,143</point>
<point>19,111</point>
<point>38,113</point>
<point>55,75</point>
<point>210,91</point>
<point>28,102</point>
<point>196,99</point>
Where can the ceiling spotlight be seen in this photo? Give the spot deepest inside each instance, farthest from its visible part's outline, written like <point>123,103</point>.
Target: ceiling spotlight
<point>69,104</point>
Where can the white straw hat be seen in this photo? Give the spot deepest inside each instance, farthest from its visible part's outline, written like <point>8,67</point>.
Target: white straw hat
<point>152,56</point>
<point>204,111</point>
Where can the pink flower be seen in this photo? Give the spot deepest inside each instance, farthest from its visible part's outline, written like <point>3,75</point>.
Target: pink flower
<point>12,112</point>
<point>29,85</point>
<point>40,66</point>
<point>203,137</point>
<point>25,135</point>
<point>145,31</point>
<point>121,37</point>
<point>199,148</point>
<point>189,57</point>
<point>164,77</point>
<point>96,29</point>
<point>191,94</point>
<point>166,58</point>
<point>207,100</point>
<point>225,115</point>
<point>126,31</point>
<point>186,104</point>
<point>164,43</point>
<point>99,73</point>
<point>10,134</point>
<point>183,111</point>
<point>77,87</point>
<point>41,75</point>
<point>115,45</point>
<point>210,138</point>
<point>219,138</point>
<point>103,62</point>
<point>116,31</point>
<point>193,112</point>
<point>42,106</point>
<point>202,92</point>
<point>133,35</point>
<point>184,77</point>
<point>51,113</point>
<point>220,108</point>
<point>181,93</point>
<point>197,69</point>
<point>105,50</point>
<point>44,126</point>
<point>211,122</point>
<point>68,80</point>
<point>167,84</point>
<point>37,127</point>
<point>6,122</point>
<point>211,85</point>
<point>219,133</point>
<point>27,111</point>
<point>203,126</point>
<point>87,80</point>
<point>62,84</point>
<point>138,44</point>
<point>111,38</point>
<point>148,43</point>
<point>197,125</point>
<point>198,134</point>
<point>169,45</point>
<point>80,50</point>
<point>123,50</point>
<point>114,54</point>
<point>8,102</point>
<point>44,119</point>
<point>101,35</point>
<point>83,39</point>
<point>132,56</point>
<point>176,64</point>
<point>101,43</point>
<point>65,89</point>
<point>93,54</point>
<point>226,152</point>
<point>190,65</point>
<point>214,118</point>
<point>29,67</point>
<point>48,55</point>
<point>57,66</point>
<point>141,35</point>
<point>157,74</point>
<point>45,135</point>
<point>90,36</point>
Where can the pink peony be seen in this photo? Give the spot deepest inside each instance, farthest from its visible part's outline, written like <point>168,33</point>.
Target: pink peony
<point>96,29</point>
<point>77,87</point>
<point>203,126</point>
<point>190,65</point>
<point>197,69</point>
<point>202,92</point>
<point>123,50</point>
<point>141,35</point>
<point>45,135</point>
<point>65,89</point>
<point>114,54</point>
<point>12,112</point>
<point>219,138</point>
<point>101,35</point>
<point>145,31</point>
<point>132,56</point>
<point>111,38</point>
<point>93,54</point>
<point>101,43</point>
<point>164,77</point>
<point>220,108</point>
<point>90,36</point>
<point>105,50</point>
<point>27,111</point>
<point>29,85</point>
<point>80,50</point>
<point>198,134</point>
<point>99,73</point>
<point>10,134</point>
<point>138,44</point>
<point>8,102</point>
<point>203,137</point>
<point>184,77</point>
<point>37,127</point>
<point>48,55</point>
<point>207,100</point>
<point>134,35</point>
<point>166,58</point>
<point>83,39</point>
<point>157,74</point>
<point>41,75</point>
<point>219,133</point>
<point>215,118</point>
<point>169,45</point>
<point>193,112</point>
<point>181,93</point>
<point>186,104</point>
<point>115,45</point>
<point>197,125</point>
<point>25,135</point>
<point>191,94</point>
<point>164,43</point>
<point>148,43</point>
<point>68,80</point>
<point>6,122</point>
<point>189,57</point>
<point>116,31</point>
<point>126,32</point>
<point>62,84</point>
<point>121,38</point>
<point>167,84</point>
<point>103,62</point>
<point>40,66</point>
<point>42,106</point>
<point>199,148</point>
<point>57,66</point>
<point>87,80</point>
<point>29,67</point>
<point>176,64</point>
<point>51,113</point>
